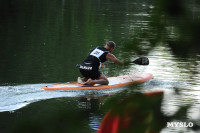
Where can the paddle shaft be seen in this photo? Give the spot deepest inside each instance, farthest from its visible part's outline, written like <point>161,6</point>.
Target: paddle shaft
<point>138,61</point>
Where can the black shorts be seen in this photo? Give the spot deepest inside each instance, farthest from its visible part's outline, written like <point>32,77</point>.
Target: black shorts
<point>89,71</point>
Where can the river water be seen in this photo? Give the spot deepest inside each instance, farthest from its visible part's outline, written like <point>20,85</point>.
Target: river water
<point>42,41</point>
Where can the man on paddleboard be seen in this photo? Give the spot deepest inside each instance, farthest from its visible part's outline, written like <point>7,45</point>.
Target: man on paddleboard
<point>90,66</point>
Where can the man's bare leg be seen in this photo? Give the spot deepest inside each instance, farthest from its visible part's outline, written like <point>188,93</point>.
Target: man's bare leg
<point>101,80</point>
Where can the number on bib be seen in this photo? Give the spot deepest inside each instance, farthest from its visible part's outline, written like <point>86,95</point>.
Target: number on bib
<point>97,53</point>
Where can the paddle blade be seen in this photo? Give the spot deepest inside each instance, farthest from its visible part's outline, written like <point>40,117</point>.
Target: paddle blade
<point>141,61</point>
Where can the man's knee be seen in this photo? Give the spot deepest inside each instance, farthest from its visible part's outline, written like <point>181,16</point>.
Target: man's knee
<point>106,82</point>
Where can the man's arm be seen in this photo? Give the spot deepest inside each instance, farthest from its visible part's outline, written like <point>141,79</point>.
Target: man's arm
<point>114,59</point>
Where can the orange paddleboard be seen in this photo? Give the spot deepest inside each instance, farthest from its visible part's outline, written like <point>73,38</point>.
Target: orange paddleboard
<point>114,82</point>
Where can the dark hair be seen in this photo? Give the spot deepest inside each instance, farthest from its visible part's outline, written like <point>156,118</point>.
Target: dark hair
<point>111,44</point>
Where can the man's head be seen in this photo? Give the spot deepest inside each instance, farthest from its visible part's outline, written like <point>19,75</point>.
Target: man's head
<point>110,45</point>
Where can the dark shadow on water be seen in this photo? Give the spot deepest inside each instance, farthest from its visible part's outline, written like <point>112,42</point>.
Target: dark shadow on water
<point>49,116</point>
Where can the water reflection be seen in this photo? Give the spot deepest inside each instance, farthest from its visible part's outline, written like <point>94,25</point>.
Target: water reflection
<point>172,73</point>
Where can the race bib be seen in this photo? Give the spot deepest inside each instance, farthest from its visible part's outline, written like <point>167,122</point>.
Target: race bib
<point>97,53</point>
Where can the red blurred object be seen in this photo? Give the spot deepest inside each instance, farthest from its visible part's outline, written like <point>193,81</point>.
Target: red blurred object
<point>132,115</point>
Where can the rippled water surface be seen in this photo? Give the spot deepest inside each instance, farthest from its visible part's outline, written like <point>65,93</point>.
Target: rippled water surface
<point>41,43</point>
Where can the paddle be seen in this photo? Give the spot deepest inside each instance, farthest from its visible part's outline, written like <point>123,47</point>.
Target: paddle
<point>138,61</point>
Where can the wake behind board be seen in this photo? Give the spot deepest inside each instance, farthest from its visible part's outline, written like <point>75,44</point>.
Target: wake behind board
<point>114,82</point>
